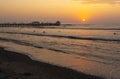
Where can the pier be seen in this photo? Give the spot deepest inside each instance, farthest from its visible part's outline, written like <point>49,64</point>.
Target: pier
<point>34,23</point>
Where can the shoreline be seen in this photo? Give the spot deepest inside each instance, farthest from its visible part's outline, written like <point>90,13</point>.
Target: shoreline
<point>19,66</point>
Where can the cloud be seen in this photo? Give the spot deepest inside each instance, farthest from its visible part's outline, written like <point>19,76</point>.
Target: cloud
<point>99,1</point>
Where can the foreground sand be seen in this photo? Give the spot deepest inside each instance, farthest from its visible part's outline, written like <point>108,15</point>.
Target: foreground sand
<point>17,66</point>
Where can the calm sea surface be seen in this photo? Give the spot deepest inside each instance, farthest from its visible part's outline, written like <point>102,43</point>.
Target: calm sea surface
<point>92,49</point>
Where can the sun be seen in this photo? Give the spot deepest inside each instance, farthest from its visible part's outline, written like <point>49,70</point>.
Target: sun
<point>83,20</point>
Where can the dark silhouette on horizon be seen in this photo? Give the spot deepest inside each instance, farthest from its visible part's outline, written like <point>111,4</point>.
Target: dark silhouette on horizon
<point>34,23</point>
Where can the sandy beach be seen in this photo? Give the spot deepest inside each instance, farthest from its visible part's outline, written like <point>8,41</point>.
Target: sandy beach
<point>17,66</point>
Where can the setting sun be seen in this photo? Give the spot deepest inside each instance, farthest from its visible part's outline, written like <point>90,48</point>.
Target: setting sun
<point>83,20</point>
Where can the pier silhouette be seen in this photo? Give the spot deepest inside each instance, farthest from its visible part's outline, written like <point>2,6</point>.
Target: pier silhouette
<point>34,23</point>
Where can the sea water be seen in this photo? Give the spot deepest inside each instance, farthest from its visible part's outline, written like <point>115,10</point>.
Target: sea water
<point>91,49</point>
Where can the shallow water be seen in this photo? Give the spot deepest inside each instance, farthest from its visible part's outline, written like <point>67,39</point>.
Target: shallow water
<point>91,49</point>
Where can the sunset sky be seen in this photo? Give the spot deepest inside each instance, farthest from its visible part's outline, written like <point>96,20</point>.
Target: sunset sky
<point>67,11</point>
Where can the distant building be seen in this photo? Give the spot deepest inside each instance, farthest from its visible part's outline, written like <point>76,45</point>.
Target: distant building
<point>58,23</point>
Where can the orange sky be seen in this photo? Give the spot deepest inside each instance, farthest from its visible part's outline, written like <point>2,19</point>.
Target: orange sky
<point>67,11</point>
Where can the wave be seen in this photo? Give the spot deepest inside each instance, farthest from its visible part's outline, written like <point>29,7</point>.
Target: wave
<point>88,55</point>
<point>94,28</point>
<point>69,37</point>
<point>82,27</point>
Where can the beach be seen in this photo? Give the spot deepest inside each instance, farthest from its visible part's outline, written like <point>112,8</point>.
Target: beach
<point>68,50</point>
<point>19,66</point>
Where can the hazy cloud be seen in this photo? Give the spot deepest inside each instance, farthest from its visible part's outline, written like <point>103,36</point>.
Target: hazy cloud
<point>100,1</point>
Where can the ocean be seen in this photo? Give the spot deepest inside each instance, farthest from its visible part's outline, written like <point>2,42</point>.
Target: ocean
<point>91,49</point>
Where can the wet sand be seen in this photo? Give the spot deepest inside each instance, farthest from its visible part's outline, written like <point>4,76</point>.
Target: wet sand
<point>18,66</point>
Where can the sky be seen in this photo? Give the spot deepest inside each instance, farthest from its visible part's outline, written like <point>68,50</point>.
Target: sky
<point>67,11</point>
